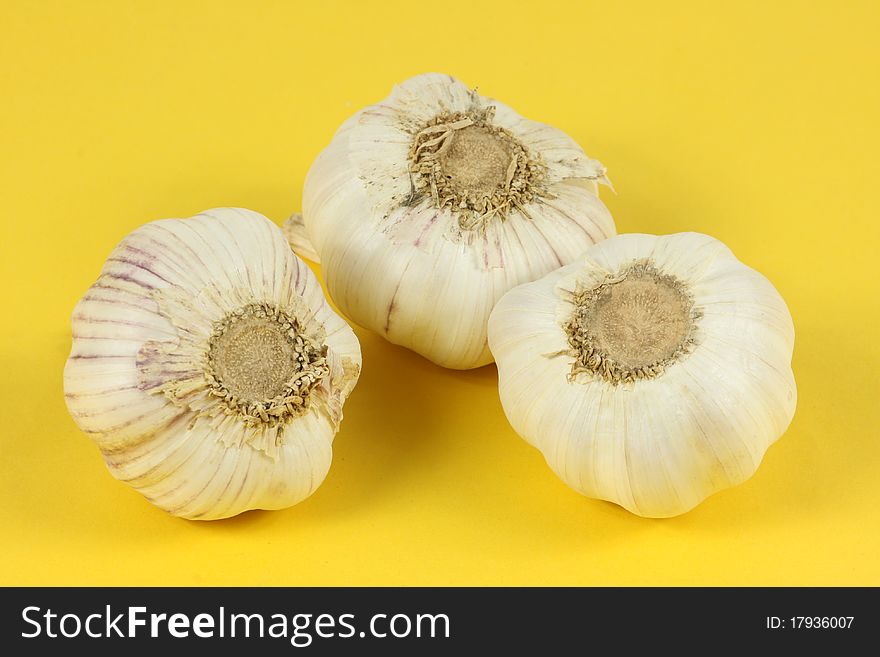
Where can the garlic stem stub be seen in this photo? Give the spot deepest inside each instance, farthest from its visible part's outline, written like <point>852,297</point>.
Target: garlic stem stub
<point>653,372</point>
<point>208,367</point>
<point>428,206</point>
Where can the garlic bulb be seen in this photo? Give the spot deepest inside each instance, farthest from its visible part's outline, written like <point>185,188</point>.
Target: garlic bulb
<point>652,372</point>
<point>427,207</point>
<point>208,367</point>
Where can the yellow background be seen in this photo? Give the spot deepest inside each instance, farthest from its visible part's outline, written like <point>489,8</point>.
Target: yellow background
<point>756,122</point>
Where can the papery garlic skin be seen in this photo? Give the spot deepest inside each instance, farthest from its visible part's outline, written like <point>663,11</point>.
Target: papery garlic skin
<point>656,443</point>
<point>427,277</point>
<point>154,338</point>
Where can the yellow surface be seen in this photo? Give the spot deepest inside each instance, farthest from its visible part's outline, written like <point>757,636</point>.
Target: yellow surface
<point>756,123</point>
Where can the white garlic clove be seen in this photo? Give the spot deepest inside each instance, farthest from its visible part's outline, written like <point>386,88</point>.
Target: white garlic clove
<point>653,372</point>
<point>295,232</point>
<point>208,367</point>
<point>427,207</point>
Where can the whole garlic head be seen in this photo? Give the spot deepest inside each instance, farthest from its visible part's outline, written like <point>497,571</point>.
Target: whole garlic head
<point>427,207</point>
<point>652,372</point>
<point>208,367</point>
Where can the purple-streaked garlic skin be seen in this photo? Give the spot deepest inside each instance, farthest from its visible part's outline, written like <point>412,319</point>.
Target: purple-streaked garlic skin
<point>413,245</point>
<point>151,376</point>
